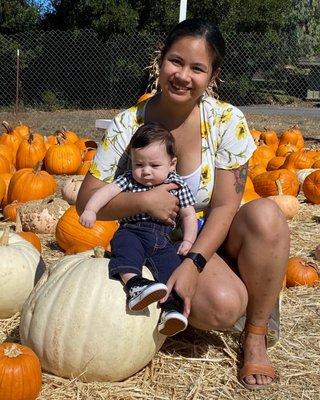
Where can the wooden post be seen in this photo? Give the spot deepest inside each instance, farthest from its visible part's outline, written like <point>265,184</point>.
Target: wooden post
<point>17,81</point>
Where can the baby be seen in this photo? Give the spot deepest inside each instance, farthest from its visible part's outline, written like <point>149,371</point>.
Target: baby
<point>141,239</point>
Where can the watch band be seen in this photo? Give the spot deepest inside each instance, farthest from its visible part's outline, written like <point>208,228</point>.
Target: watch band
<point>198,260</point>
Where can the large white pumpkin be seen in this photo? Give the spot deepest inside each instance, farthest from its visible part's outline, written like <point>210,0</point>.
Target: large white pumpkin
<point>77,322</point>
<point>20,265</point>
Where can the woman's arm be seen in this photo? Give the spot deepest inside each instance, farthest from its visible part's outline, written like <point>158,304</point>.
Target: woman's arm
<point>157,202</point>
<point>228,190</point>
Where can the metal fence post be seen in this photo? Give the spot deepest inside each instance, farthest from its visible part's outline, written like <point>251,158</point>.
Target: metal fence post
<point>17,81</point>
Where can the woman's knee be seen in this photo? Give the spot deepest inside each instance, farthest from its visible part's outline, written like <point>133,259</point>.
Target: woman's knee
<point>263,219</point>
<point>218,311</point>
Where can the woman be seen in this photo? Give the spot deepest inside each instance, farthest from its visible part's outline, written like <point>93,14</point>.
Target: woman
<point>213,147</point>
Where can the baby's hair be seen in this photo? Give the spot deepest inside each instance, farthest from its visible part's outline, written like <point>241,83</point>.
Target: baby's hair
<point>152,132</point>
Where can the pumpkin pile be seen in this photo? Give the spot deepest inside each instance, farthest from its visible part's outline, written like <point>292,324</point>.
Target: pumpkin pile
<point>29,165</point>
<point>280,167</point>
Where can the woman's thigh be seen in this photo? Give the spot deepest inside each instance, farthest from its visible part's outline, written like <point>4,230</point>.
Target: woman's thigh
<point>220,299</point>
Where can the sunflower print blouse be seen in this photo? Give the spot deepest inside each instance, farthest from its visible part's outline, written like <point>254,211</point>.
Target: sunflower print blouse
<point>226,143</point>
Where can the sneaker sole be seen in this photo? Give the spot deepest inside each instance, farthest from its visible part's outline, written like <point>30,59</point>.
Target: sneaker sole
<point>149,299</point>
<point>172,327</point>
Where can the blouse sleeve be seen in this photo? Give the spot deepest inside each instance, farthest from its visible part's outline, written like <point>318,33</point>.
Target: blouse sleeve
<point>235,143</point>
<point>111,158</point>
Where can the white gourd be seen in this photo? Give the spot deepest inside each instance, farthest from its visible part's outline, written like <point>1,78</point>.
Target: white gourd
<point>19,264</point>
<point>77,322</point>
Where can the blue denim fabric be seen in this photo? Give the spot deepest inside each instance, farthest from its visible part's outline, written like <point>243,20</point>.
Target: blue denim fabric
<point>143,243</point>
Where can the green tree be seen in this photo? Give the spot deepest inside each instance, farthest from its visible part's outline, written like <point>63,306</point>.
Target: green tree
<point>18,16</point>
<point>107,17</point>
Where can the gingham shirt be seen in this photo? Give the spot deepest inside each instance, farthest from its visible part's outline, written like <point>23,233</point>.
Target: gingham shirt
<point>127,183</point>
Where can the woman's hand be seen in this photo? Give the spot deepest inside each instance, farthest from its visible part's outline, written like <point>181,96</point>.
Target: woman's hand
<point>184,281</point>
<point>160,204</point>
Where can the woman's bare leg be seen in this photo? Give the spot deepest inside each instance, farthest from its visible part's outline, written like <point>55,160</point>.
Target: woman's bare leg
<point>259,240</point>
<point>220,298</point>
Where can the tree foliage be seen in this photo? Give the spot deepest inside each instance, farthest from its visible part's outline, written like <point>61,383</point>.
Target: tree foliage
<point>18,16</point>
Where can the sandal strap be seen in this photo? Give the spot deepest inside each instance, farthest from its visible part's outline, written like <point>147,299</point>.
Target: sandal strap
<point>257,369</point>
<point>256,330</point>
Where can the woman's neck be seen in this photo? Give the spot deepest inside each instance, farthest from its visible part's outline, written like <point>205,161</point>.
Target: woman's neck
<point>169,114</point>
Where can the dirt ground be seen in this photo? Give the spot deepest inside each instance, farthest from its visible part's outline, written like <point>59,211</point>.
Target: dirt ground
<point>197,365</point>
<point>83,121</point>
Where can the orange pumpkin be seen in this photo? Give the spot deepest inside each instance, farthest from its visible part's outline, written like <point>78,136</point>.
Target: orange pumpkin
<point>265,184</point>
<point>30,152</point>
<point>86,143</point>
<point>3,190</point>
<point>255,171</point>
<point>20,372</point>
<point>31,184</point>
<point>293,136</point>
<point>62,158</point>
<point>11,139</point>
<point>311,187</point>
<point>5,165</point>
<point>275,163</point>
<point>285,149</point>
<point>316,164</point>
<point>89,154</point>
<point>6,176</point>
<point>6,151</point>
<point>298,160</point>
<point>249,193</point>
<point>22,130</point>
<point>299,272</point>
<point>261,156</point>
<point>270,138</point>
<point>10,210</point>
<point>256,135</point>
<point>31,237</point>
<point>72,237</point>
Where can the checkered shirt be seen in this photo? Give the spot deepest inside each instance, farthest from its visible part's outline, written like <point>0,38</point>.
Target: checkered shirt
<point>127,183</point>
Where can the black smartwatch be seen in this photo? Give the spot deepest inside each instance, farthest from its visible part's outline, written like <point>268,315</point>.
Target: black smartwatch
<point>198,260</point>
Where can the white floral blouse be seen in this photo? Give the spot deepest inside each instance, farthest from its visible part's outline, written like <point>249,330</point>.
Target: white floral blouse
<point>226,143</point>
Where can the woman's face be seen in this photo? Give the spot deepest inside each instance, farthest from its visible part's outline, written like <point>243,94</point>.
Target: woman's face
<point>186,69</point>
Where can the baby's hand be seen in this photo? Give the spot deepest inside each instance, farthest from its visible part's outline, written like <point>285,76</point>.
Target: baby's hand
<point>184,248</point>
<point>88,218</point>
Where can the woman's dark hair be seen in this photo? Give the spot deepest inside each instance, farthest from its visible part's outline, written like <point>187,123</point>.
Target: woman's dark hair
<point>152,132</point>
<point>198,27</point>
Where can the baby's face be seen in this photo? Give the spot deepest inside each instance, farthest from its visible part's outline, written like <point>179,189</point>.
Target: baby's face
<point>151,164</point>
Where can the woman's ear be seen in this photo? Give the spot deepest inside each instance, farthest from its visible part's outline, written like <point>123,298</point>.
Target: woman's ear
<point>173,164</point>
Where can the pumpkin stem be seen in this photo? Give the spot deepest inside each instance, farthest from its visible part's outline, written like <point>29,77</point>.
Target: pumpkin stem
<point>279,187</point>
<point>37,167</point>
<point>61,136</point>
<point>31,136</point>
<point>18,223</point>
<point>7,126</point>
<point>12,351</point>
<point>4,240</point>
<point>99,252</point>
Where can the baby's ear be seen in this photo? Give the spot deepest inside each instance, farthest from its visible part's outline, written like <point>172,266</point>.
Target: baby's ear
<point>173,164</point>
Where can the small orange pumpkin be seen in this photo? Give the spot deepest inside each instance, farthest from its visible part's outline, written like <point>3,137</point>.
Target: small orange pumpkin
<point>294,136</point>
<point>270,138</point>
<point>20,372</point>
<point>311,187</point>
<point>265,184</point>
<point>30,152</point>
<point>275,163</point>
<point>10,210</point>
<point>299,272</point>
<point>31,184</point>
<point>62,158</point>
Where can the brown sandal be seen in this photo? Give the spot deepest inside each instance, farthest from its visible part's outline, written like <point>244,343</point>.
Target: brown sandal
<point>256,369</point>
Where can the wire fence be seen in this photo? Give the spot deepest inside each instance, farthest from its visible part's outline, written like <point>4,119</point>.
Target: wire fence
<point>75,69</point>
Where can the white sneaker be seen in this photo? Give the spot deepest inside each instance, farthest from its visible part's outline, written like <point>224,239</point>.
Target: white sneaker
<point>171,322</point>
